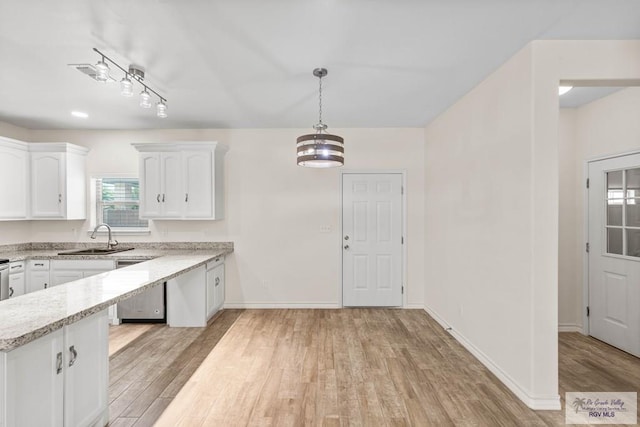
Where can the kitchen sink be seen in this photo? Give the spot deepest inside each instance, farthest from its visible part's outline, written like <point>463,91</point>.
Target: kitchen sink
<point>95,251</point>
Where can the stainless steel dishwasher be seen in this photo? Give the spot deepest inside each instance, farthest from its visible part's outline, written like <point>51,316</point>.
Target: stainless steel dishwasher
<point>147,307</point>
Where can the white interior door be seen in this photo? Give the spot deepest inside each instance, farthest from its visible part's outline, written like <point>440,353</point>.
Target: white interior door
<point>372,240</point>
<point>614,252</point>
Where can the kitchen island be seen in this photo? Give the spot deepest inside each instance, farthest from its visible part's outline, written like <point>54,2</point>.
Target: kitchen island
<point>53,342</point>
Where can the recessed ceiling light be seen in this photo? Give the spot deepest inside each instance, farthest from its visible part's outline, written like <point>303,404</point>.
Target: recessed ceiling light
<point>79,114</point>
<point>564,89</point>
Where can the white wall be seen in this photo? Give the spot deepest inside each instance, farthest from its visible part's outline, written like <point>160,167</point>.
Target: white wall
<point>479,222</point>
<point>492,206</point>
<point>607,126</point>
<point>569,239</point>
<point>274,208</point>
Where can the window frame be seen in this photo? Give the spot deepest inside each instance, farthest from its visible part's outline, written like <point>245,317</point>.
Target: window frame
<point>93,207</point>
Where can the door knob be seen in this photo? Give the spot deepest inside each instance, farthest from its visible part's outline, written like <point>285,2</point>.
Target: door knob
<point>346,247</point>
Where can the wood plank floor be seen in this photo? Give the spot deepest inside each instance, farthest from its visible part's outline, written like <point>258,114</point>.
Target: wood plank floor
<point>146,375</point>
<point>370,367</point>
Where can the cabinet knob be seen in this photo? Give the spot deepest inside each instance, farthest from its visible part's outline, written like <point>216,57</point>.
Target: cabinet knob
<point>217,281</point>
<point>45,286</point>
<point>10,291</point>
<point>58,363</point>
<point>59,198</point>
<point>162,197</point>
<point>186,197</point>
<point>74,355</point>
<point>158,198</point>
<point>346,247</point>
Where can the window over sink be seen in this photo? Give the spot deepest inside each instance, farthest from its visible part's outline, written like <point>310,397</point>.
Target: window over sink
<point>117,203</point>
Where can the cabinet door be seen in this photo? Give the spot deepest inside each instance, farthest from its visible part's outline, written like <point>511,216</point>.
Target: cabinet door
<point>14,167</point>
<point>150,192</point>
<point>86,359</point>
<point>171,183</point>
<point>38,280</point>
<point>16,285</point>
<point>48,185</point>
<point>34,383</point>
<point>197,172</point>
<point>211,293</point>
<point>219,286</point>
<point>215,290</point>
<point>58,277</point>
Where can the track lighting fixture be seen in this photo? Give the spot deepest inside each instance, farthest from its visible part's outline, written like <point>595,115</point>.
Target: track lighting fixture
<point>133,74</point>
<point>145,99</point>
<point>126,86</point>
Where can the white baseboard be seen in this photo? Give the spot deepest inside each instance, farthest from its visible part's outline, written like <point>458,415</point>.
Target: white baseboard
<point>570,327</point>
<point>415,306</point>
<point>268,305</point>
<point>536,403</point>
<point>283,305</point>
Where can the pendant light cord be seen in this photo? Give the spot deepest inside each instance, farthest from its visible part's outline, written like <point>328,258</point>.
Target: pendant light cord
<point>320,102</point>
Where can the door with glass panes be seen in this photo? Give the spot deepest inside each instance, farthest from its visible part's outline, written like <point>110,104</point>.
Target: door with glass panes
<point>614,251</point>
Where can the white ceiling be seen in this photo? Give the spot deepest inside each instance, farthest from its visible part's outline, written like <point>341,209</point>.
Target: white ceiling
<point>248,63</point>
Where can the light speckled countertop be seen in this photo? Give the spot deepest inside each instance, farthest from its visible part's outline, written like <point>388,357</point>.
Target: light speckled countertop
<point>28,317</point>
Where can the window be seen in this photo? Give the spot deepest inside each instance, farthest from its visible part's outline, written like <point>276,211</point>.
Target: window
<point>118,203</point>
<point>623,212</point>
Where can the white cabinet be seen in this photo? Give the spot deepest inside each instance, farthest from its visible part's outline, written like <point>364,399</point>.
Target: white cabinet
<point>60,379</point>
<point>215,287</point>
<point>160,185</point>
<point>63,271</point>
<point>37,275</point>
<point>16,279</point>
<point>86,350</point>
<point>197,178</point>
<point>33,385</point>
<point>14,176</point>
<point>58,189</point>
<point>181,180</point>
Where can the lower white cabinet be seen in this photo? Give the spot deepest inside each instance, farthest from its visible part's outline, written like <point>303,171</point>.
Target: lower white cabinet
<point>16,279</point>
<point>37,275</point>
<point>60,379</point>
<point>215,288</point>
<point>63,271</point>
<point>195,296</point>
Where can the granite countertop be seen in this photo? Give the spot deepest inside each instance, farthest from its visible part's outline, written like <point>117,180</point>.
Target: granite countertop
<point>30,316</point>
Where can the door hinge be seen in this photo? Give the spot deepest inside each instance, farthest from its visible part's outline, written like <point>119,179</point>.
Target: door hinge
<point>402,240</point>
<point>588,312</point>
<point>587,247</point>
<point>587,182</point>
<point>402,291</point>
<point>402,190</point>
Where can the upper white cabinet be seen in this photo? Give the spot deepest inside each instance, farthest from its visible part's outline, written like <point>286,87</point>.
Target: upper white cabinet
<point>181,180</point>
<point>14,176</point>
<point>58,189</point>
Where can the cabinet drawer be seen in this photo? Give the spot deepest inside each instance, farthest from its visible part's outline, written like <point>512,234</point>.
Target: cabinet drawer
<point>84,265</point>
<point>38,264</point>
<point>215,262</point>
<point>16,267</point>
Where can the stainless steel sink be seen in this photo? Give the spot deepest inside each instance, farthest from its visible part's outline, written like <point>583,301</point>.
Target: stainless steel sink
<point>95,251</point>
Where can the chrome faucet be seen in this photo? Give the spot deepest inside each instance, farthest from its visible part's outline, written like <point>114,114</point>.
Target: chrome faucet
<point>110,243</point>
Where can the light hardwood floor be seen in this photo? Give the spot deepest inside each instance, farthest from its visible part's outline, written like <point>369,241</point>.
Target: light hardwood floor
<point>370,367</point>
<point>122,335</point>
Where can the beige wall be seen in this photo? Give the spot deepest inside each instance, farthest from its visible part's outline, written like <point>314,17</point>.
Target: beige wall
<point>607,126</point>
<point>274,208</point>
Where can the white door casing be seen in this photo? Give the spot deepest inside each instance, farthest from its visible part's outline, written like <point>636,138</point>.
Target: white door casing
<point>372,239</point>
<point>614,251</point>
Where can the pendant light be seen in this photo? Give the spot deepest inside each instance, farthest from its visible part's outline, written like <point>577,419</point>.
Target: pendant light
<point>320,149</point>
